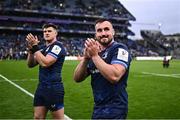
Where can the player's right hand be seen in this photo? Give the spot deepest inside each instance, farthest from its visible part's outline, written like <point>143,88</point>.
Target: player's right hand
<point>32,40</point>
<point>86,54</point>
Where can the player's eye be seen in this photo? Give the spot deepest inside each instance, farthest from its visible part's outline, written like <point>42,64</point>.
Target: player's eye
<point>99,30</point>
<point>49,31</point>
<point>106,29</point>
<point>45,31</point>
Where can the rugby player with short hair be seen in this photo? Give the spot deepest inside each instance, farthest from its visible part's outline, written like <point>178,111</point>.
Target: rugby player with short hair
<point>108,63</point>
<point>50,90</point>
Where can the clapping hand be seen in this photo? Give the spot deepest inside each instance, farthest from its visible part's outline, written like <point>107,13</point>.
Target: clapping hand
<point>32,43</point>
<point>32,40</point>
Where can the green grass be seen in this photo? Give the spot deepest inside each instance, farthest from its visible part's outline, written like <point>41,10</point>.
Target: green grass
<point>150,96</point>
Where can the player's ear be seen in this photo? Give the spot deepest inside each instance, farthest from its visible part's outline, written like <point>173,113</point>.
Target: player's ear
<point>56,32</point>
<point>95,36</point>
<point>113,32</point>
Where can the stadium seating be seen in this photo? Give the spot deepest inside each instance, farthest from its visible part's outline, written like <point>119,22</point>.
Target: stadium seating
<point>75,19</point>
<point>160,44</point>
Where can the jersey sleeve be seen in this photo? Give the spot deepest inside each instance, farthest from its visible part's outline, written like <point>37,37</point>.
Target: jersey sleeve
<point>55,51</point>
<point>121,56</point>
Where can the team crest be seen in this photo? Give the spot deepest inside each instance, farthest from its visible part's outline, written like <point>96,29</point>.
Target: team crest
<point>104,56</point>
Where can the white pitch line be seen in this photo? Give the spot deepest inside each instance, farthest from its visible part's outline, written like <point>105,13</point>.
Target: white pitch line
<point>22,89</point>
<point>176,74</point>
<point>25,91</point>
<point>22,80</point>
<point>162,75</point>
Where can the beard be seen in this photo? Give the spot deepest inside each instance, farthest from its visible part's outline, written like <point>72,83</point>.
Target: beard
<point>106,42</point>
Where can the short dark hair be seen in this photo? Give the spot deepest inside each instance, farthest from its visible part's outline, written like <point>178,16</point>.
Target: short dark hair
<point>50,25</point>
<point>101,20</point>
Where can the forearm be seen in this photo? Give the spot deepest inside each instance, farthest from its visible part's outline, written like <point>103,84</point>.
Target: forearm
<point>110,72</point>
<point>81,73</point>
<point>41,59</point>
<point>31,62</point>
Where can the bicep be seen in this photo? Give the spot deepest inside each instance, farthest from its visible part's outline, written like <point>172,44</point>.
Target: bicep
<point>119,70</point>
<point>50,60</point>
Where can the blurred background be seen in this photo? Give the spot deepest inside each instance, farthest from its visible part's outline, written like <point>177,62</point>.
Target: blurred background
<point>76,22</point>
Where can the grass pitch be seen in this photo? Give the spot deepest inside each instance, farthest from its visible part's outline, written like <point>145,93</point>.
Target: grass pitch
<point>154,91</point>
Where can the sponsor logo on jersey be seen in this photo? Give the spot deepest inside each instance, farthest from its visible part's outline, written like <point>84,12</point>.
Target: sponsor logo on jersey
<point>94,71</point>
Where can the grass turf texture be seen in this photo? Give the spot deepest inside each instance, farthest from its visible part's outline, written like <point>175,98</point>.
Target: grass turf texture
<point>154,91</point>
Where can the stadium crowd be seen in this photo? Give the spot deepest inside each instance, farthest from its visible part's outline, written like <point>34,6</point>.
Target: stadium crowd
<point>75,20</point>
<point>77,7</point>
<point>14,47</point>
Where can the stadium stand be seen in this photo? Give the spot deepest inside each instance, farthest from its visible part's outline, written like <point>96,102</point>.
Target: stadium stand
<point>161,45</point>
<point>75,19</point>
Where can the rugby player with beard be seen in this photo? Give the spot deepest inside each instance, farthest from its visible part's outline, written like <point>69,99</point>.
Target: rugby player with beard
<point>108,63</point>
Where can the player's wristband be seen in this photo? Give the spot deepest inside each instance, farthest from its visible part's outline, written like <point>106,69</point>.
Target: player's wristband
<point>34,49</point>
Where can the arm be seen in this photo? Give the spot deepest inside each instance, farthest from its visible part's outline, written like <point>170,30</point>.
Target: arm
<point>31,61</point>
<point>112,72</point>
<point>80,72</point>
<point>44,61</point>
<point>38,57</point>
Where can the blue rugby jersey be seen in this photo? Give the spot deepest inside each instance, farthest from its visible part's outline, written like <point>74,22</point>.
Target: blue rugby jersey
<point>106,95</point>
<point>52,74</point>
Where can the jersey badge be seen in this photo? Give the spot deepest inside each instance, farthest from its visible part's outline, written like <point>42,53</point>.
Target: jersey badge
<point>122,55</point>
<point>56,49</point>
<point>104,56</point>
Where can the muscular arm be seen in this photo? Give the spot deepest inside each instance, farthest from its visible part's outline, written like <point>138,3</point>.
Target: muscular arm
<point>112,72</point>
<point>31,61</point>
<point>80,72</point>
<point>44,61</point>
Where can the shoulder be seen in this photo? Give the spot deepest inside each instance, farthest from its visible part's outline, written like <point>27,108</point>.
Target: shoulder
<point>122,51</point>
<point>58,46</point>
<point>119,45</point>
<point>58,43</point>
<point>121,54</point>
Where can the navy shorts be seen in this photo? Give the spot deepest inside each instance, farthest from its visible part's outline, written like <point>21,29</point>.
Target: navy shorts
<point>50,96</point>
<point>110,112</point>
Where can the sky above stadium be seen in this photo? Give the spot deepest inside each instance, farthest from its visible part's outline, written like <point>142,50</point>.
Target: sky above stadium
<point>161,15</point>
